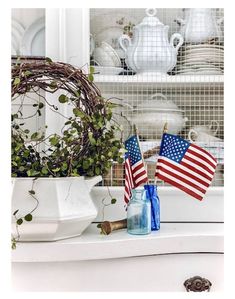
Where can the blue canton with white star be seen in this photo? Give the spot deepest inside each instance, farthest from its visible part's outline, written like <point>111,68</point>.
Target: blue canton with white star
<point>173,147</point>
<point>132,146</point>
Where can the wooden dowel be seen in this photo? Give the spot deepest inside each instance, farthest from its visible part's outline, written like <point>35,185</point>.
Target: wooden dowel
<point>165,129</point>
<point>107,226</point>
<point>142,156</point>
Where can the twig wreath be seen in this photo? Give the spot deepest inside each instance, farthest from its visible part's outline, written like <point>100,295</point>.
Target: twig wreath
<point>86,145</point>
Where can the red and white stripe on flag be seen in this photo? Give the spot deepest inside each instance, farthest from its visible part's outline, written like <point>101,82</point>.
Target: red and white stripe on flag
<point>135,173</point>
<point>193,174</point>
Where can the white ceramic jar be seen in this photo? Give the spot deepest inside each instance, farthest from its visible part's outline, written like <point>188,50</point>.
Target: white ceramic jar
<point>149,51</point>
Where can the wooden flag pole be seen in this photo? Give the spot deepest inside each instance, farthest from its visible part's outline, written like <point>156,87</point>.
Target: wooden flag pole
<point>137,135</point>
<point>165,129</point>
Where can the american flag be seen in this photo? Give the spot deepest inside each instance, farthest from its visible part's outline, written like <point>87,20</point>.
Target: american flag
<point>185,165</point>
<point>135,173</point>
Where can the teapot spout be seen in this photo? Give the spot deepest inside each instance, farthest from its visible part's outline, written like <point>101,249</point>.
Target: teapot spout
<point>91,182</point>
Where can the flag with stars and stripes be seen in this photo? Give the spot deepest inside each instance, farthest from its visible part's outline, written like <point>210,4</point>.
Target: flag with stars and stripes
<point>185,165</point>
<point>135,173</point>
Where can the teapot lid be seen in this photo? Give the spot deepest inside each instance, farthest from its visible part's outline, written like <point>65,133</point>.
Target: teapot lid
<point>151,20</point>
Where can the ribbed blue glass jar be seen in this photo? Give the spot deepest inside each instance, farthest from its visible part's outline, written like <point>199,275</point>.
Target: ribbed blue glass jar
<point>139,213</point>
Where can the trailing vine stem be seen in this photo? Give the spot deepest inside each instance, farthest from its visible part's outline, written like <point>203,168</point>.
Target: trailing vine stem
<point>27,217</point>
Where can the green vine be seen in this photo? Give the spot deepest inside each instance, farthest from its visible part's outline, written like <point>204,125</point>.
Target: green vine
<point>28,217</point>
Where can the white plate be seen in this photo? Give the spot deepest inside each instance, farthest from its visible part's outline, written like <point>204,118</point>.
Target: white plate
<point>214,50</point>
<point>203,53</point>
<point>33,43</point>
<point>196,66</point>
<point>204,46</point>
<point>211,54</point>
<point>199,63</point>
<point>102,70</point>
<point>199,72</point>
<point>201,59</point>
<point>17,32</point>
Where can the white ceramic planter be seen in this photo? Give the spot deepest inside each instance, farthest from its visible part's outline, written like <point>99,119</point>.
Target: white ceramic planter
<point>65,207</point>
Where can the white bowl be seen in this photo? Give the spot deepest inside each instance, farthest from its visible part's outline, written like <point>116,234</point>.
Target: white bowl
<point>102,57</point>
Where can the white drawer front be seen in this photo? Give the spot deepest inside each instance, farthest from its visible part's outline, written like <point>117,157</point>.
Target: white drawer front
<point>163,273</point>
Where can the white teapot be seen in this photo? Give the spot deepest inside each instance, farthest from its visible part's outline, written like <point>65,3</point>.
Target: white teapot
<point>199,25</point>
<point>149,51</point>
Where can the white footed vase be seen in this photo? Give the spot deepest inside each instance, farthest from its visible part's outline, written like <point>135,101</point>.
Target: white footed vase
<point>64,207</point>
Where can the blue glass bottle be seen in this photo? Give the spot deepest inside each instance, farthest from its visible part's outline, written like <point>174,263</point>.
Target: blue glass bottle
<point>139,213</point>
<point>151,193</point>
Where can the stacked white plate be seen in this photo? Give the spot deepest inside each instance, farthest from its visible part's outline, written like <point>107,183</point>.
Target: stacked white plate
<point>215,148</point>
<point>201,59</point>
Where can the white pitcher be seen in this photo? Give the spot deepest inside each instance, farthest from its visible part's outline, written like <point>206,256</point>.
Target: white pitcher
<point>199,25</point>
<point>149,51</point>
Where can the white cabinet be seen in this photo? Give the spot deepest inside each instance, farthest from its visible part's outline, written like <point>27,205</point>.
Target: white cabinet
<point>161,261</point>
<point>180,250</point>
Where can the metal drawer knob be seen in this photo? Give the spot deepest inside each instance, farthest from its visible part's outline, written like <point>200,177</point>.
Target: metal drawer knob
<point>197,284</point>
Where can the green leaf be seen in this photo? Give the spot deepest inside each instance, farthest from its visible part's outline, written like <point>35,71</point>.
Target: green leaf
<point>63,99</point>
<point>78,93</point>
<point>92,69</point>
<point>16,81</point>
<point>27,73</point>
<point>99,225</point>
<point>90,77</point>
<point>53,85</point>
<point>34,135</point>
<point>78,113</point>
<point>28,217</point>
<point>19,221</point>
<point>48,59</point>
<point>13,116</point>
<point>32,172</point>
<point>26,131</point>
<point>21,168</point>
<point>54,140</point>
<point>113,201</point>
<point>85,164</point>
<point>56,169</point>
<point>32,192</point>
<point>97,171</point>
<point>91,138</point>
<point>40,105</point>
<point>44,170</point>
<point>14,163</point>
<point>64,166</point>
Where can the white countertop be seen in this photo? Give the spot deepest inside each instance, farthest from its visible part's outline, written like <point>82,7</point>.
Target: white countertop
<point>171,238</point>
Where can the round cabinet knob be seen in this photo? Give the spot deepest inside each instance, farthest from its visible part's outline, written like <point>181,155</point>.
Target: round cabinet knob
<point>197,284</point>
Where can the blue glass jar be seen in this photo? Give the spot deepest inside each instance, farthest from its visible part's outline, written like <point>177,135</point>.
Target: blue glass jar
<point>139,213</point>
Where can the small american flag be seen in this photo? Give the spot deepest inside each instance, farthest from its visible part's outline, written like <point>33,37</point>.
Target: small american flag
<point>135,173</point>
<point>185,165</point>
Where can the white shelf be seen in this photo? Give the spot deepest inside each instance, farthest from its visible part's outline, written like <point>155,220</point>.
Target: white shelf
<point>91,245</point>
<point>151,81</point>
